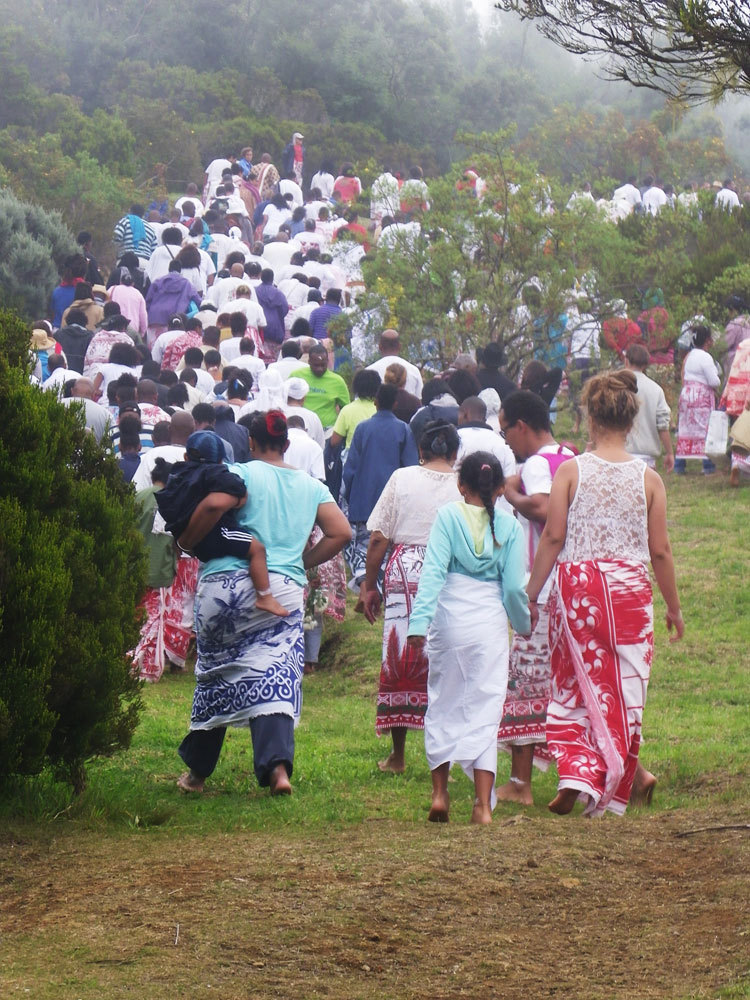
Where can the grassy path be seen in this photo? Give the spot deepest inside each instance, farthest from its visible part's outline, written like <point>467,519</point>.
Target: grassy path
<point>344,891</point>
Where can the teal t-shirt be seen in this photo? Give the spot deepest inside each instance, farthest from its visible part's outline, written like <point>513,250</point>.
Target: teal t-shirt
<point>281,508</point>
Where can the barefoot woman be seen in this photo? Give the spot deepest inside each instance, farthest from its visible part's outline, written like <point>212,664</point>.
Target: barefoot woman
<point>250,662</point>
<point>607,518</point>
<point>401,522</point>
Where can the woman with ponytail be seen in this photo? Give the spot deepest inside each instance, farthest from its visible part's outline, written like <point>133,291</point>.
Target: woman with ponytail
<point>606,520</point>
<point>399,527</point>
<point>471,583</point>
<point>250,662</point>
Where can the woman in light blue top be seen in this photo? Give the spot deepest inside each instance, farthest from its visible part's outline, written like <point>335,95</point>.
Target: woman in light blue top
<point>473,574</point>
<point>250,662</point>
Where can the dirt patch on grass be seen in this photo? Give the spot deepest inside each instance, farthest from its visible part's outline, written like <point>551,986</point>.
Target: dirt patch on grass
<point>529,908</point>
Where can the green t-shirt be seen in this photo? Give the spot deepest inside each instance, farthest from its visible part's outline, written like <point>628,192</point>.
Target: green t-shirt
<point>351,415</point>
<point>326,391</point>
<point>162,555</point>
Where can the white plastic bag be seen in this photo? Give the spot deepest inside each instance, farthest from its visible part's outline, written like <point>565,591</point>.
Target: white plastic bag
<point>718,433</point>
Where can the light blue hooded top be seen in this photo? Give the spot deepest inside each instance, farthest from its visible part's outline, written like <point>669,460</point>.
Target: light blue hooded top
<point>451,549</point>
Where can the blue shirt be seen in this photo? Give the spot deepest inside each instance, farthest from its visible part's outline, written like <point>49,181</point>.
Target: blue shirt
<point>320,318</point>
<point>379,446</point>
<point>451,549</point>
<point>281,508</point>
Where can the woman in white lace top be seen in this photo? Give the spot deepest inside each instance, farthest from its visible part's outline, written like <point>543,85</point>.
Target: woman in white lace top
<point>607,520</point>
<point>401,521</point>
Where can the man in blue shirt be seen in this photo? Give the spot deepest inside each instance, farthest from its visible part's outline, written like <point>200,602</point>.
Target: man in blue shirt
<point>321,317</point>
<point>379,446</point>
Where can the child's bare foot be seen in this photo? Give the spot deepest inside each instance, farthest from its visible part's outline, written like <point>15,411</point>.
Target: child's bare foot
<point>267,602</point>
<point>439,809</point>
<point>515,791</point>
<point>280,783</point>
<point>564,801</point>
<point>481,813</point>
<point>190,782</point>
<point>392,763</point>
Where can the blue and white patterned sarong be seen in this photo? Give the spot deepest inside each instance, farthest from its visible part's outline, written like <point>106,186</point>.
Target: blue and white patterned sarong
<point>250,662</point>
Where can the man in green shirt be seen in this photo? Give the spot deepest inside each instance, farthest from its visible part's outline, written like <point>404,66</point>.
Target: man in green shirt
<point>328,391</point>
<point>365,386</point>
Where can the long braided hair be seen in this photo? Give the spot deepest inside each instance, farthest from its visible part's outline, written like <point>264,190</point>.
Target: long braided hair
<point>483,474</point>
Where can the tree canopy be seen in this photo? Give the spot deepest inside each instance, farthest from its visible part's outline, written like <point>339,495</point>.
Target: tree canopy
<point>691,50</point>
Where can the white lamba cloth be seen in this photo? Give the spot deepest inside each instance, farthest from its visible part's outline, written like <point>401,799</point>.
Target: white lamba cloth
<point>467,645</point>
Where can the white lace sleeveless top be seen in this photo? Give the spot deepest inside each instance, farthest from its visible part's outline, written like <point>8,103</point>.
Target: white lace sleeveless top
<point>608,517</point>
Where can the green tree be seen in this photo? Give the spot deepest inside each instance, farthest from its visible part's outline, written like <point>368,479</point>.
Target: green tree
<point>688,49</point>
<point>72,568</point>
<point>33,245</point>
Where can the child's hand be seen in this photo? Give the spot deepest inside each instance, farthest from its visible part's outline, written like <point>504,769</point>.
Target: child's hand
<point>415,642</point>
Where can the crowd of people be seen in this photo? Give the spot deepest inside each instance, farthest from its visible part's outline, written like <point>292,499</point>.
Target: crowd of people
<point>206,362</point>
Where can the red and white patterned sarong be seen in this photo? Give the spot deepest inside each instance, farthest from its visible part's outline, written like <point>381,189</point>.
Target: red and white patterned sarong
<point>524,716</point>
<point>168,628</point>
<point>694,412</point>
<point>179,613</point>
<point>601,638</point>
<point>402,693</point>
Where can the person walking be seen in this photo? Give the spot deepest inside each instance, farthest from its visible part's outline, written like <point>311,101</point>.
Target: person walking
<point>607,519</point>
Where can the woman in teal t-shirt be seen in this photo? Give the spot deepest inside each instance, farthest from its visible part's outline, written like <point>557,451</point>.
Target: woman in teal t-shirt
<point>250,663</point>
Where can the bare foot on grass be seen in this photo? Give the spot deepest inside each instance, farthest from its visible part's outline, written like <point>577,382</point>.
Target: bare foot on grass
<point>280,783</point>
<point>267,602</point>
<point>513,791</point>
<point>644,784</point>
<point>481,813</point>
<point>563,802</point>
<point>392,763</point>
<point>439,809</point>
<point>190,782</point>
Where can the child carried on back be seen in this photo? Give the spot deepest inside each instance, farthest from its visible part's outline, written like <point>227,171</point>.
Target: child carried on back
<point>190,482</point>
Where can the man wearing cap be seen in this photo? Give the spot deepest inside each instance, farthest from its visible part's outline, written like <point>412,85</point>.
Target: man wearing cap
<point>296,392</point>
<point>293,158</point>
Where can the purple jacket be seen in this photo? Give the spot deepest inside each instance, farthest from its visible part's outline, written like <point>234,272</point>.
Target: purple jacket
<point>275,306</point>
<point>167,296</point>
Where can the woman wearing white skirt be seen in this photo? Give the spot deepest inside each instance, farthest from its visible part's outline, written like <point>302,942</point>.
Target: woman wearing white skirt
<point>473,574</point>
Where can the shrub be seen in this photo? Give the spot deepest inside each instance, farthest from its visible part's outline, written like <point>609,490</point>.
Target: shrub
<point>33,245</point>
<point>72,569</point>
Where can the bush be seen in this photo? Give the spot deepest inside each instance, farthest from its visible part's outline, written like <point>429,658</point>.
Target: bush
<point>33,245</point>
<point>72,569</point>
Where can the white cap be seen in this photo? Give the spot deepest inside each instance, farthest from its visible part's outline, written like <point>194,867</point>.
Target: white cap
<point>297,388</point>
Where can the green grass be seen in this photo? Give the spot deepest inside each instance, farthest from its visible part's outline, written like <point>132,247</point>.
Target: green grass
<point>695,726</point>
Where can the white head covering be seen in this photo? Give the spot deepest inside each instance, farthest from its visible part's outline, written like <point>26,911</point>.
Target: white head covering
<point>491,400</point>
<point>297,388</point>
<point>270,391</point>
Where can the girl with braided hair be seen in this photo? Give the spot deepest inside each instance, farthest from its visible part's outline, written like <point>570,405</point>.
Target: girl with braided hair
<point>471,584</point>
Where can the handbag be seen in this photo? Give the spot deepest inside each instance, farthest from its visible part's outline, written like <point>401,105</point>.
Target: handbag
<point>718,433</point>
<point>740,432</point>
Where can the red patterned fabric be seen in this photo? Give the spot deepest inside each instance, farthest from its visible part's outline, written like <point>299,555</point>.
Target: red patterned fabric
<point>601,638</point>
<point>168,628</point>
<point>694,412</point>
<point>402,693</point>
<point>524,716</point>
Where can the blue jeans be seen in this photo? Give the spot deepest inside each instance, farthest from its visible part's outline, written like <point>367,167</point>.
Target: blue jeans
<point>680,466</point>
